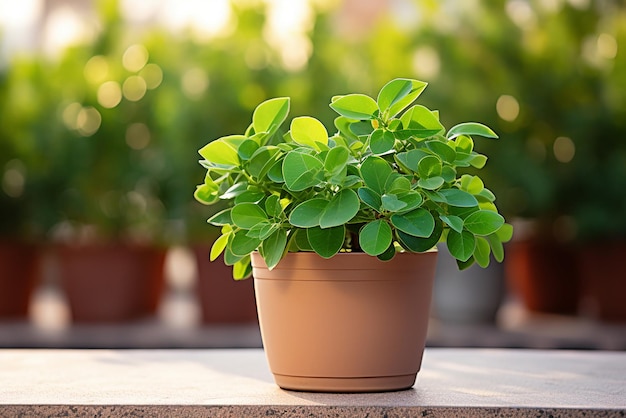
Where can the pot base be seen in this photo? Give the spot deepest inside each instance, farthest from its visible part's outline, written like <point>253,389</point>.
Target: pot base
<point>345,384</point>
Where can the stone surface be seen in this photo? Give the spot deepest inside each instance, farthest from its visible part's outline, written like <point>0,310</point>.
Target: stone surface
<point>234,383</point>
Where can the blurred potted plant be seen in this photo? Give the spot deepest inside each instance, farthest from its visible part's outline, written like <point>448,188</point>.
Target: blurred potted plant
<point>331,226</point>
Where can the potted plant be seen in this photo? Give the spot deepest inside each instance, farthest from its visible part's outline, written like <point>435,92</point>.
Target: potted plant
<point>339,231</point>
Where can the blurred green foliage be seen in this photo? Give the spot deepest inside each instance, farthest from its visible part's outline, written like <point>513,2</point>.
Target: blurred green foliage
<point>67,161</point>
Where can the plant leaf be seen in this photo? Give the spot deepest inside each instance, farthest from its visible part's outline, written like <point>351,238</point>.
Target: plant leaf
<point>247,215</point>
<point>218,246</point>
<point>432,183</point>
<point>370,198</point>
<point>375,237</point>
<point>482,251</point>
<point>274,248</point>
<point>419,117</point>
<point>309,131</point>
<point>374,172</point>
<point>456,197</point>
<point>242,269</point>
<point>269,115</point>
<point>355,106</point>
<point>471,128</point>
<point>381,141</point>
<point>301,171</point>
<point>397,94</point>
<point>223,150</point>
<point>328,241</point>
<point>483,222</point>
<point>454,222</point>
<point>392,203</point>
<point>242,244</point>
<point>462,245</point>
<point>336,160</point>
<point>419,223</point>
<point>308,213</point>
<point>221,218</point>
<point>340,209</point>
<point>419,245</point>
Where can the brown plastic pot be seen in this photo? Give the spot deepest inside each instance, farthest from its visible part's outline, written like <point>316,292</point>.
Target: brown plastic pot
<point>18,270</point>
<point>111,283</point>
<point>544,274</point>
<point>604,279</point>
<point>351,323</point>
<point>222,299</point>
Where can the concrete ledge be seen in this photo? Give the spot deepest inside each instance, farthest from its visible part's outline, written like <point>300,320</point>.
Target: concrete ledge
<point>237,383</point>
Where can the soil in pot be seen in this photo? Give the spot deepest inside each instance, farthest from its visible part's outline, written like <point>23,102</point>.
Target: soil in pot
<point>111,283</point>
<point>347,324</point>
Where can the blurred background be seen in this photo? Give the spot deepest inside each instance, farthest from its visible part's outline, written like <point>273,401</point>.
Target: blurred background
<point>104,104</point>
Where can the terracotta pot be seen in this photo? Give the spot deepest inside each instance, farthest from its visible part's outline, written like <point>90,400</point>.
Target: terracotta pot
<point>604,280</point>
<point>544,274</point>
<point>18,270</point>
<point>222,299</point>
<point>347,324</point>
<point>111,283</point>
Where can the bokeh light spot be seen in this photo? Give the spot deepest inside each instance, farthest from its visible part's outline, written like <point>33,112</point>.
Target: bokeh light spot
<point>88,121</point>
<point>194,83</point>
<point>135,57</point>
<point>137,136</point>
<point>507,107</point>
<point>134,88</point>
<point>96,69</point>
<point>153,75</point>
<point>109,94</point>
<point>564,149</point>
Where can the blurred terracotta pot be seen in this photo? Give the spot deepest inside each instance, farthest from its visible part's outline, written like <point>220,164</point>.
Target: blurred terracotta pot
<point>222,299</point>
<point>111,283</point>
<point>544,274</point>
<point>19,264</point>
<point>604,279</point>
<point>351,323</point>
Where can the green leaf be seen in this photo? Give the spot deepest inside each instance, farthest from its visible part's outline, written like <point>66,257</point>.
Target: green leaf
<point>247,149</point>
<point>309,131</point>
<point>275,173</point>
<point>375,237</point>
<point>221,218</point>
<point>242,269</point>
<point>242,244</point>
<point>418,222</point>
<point>274,248</point>
<point>302,241</point>
<point>478,160</point>
<point>246,215</point>
<point>223,150</point>
<point>429,166</point>
<point>391,203</point>
<point>397,184</point>
<point>397,94</point>
<point>273,207</point>
<point>444,151</point>
<point>361,128</point>
<point>482,251</point>
<point>410,159</point>
<point>453,222</point>
<point>328,241</point>
<point>496,247</point>
<point>389,253</point>
<point>301,171</point>
<point>419,245</point>
<point>505,233</point>
<point>419,117</point>
<point>374,172</point>
<point>218,246</point>
<point>250,196</point>
<point>448,174</point>
<point>342,124</point>
<point>381,141</point>
<point>370,198</point>
<point>355,106</point>
<point>432,183</point>
<point>340,209</point>
<point>483,222</point>
<point>462,245</point>
<point>308,213</point>
<point>412,199</point>
<point>269,115</point>
<point>472,184</point>
<point>230,258</point>
<point>206,194</point>
<point>336,160</point>
<point>456,197</point>
<point>234,191</point>
<point>471,128</point>
<point>262,230</point>
<point>262,159</point>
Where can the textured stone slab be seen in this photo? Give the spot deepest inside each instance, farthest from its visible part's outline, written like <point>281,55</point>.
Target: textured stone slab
<point>236,383</point>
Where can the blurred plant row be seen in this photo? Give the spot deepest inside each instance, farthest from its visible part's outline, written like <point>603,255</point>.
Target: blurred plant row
<point>96,143</point>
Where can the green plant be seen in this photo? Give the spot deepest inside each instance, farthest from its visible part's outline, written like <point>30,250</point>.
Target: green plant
<point>387,181</point>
